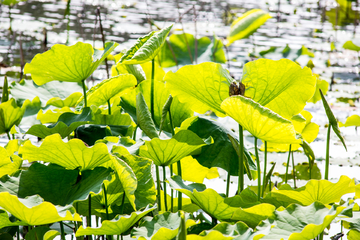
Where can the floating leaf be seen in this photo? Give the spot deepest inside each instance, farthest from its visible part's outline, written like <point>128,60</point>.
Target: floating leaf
<point>260,121</point>
<point>203,86</point>
<point>353,120</point>
<point>59,94</point>
<point>71,155</point>
<point>167,152</point>
<point>70,64</point>
<point>317,191</point>
<point>10,115</point>
<point>116,226</point>
<point>245,25</point>
<point>282,86</point>
<point>176,50</point>
<point>332,119</point>
<point>320,84</point>
<point>352,45</point>
<point>34,211</point>
<point>146,48</point>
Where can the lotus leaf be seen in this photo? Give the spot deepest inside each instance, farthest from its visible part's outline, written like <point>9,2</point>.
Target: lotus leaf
<point>59,94</point>
<point>51,234</point>
<point>37,233</point>
<point>176,50</point>
<point>134,69</point>
<point>34,211</point>
<point>245,25</point>
<point>71,155</point>
<point>260,121</point>
<point>146,48</point>
<point>5,221</point>
<point>321,191</point>
<point>116,226</point>
<point>352,45</point>
<point>70,64</point>
<point>143,116</point>
<point>353,235</point>
<point>167,152</point>
<point>353,120</point>
<point>203,86</point>
<point>277,53</point>
<point>320,84</point>
<point>159,72</point>
<point>228,229</point>
<point>10,115</point>
<point>282,86</point>
<point>209,236</point>
<point>8,166</point>
<point>51,116</point>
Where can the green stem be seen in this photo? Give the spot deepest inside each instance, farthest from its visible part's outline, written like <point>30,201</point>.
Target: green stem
<point>158,187</point>
<point>327,158</point>
<point>294,170</point>
<point>228,182</point>
<point>134,136</point>
<point>164,177</point>
<point>171,123</point>
<point>264,176</point>
<point>172,191</point>
<point>241,160</point>
<point>287,165</point>
<point>180,194</point>
<point>122,203</point>
<point>84,90</point>
<point>152,90</point>
<point>258,168</point>
<point>62,231</point>
<point>89,217</point>
<point>106,202</point>
<point>109,107</point>
<point>310,168</point>
<point>18,233</point>
<point>8,135</point>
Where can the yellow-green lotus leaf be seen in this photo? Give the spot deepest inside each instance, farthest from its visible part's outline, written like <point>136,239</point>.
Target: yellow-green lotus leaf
<point>353,120</point>
<point>51,234</point>
<point>70,64</point>
<point>51,116</point>
<point>71,155</point>
<point>11,114</point>
<point>260,121</point>
<point>159,72</point>
<point>245,25</point>
<point>34,211</point>
<point>105,90</point>
<point>8,165</point>
<point>282,86</point>
<point>203,86</point>
<point>70,101</point>
<point>354,44</point>
<point>209,236</point>
<point>193,171</point>
<point>166,152</point>
<point>117,226</point>
<point>317,190</point>
<point>320,84</point>
<point>146,48</point>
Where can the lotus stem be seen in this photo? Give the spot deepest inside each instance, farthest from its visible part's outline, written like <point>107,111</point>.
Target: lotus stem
<point>264,177</point>
<point>62,231</point>
<point>106,202</point>
<point>88,220</point>
<point>171,190</point>
<point>109,107</point>
<point>84,90</point>
<point>158,187</point>
<point>134,136</point>
<point>18,233</point>
<point>228,182</point>
<point>152,90</point>
<point>122,203</point>
<point>8,135</point>
<point>294,170</point>
<point>310,168</point>
<point>164,177</point>
<point>287,165</point>
<point>258,168</point>
<point>241,160</point>
<point>180,194</point>
<point>327,158</point>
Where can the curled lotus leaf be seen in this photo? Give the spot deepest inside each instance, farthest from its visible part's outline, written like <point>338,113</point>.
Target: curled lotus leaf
<point>10,114</point>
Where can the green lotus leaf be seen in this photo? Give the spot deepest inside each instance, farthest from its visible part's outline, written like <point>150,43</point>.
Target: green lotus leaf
<point>320,84</point>
<point>8,166</point>
<point>71,155</point>
<point>145,192</point>
<point>353,120</point>
<point>209,236</point>
<point>34,211</point>
<point>277,53</point>
<point>260,121</point>
<point>65,125</point>
<point>105,90</point>
<point>183,111</point>
<point>353,234</point>
<point>116,118</point>
<point>302,173</point>
<point>214,204</point>
<point>134,69</point>
<point>146,48</point>
<point>203,86</point>
<point>176,50</point>
<point>352,45</point>
<point>299,223</point>
<point>186,204</point>
<point>5,221</point>
<point>245,25</point>
<point>51,116</point>
<point>55,93</point>
<point>167,152</point>
<point>143,116</point>
<point>51,234</point>
<point>164,226</point>
<point>219,154</point>
<point>70,185</point>
<point>332,119</point>
<point>282,86</point>
<point>69,64</point>
<point>227,229</point>
<point>321,191</point>
<point>37,233</point>
<point>194,172</point>
<point>11,2</point>
<point>116,226</point>
<point>10,115</point>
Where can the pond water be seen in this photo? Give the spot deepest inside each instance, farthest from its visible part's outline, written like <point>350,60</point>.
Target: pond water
<point>320,26</point>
